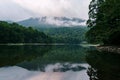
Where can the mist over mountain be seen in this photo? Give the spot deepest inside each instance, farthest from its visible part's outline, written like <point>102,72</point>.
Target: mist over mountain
<point>52,22</point>
<point>61,29</point>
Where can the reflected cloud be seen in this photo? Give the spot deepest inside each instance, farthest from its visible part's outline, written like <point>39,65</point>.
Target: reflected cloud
<point>47,76</point>
<point>18,73</point>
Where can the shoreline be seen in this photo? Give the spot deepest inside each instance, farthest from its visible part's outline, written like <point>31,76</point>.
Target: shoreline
<point>112,49</point>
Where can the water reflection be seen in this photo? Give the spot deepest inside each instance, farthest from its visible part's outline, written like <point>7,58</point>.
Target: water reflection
<point>57,63</point>
<point>11,55</point>
<point>18,73</point>
<point>43,63</point>
<point>57,54</point>
<point>104,66</point>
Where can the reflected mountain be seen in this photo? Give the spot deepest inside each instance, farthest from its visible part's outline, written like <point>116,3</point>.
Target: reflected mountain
<point>67,67</point>
<point>39,57</point>
<point>104,66</point>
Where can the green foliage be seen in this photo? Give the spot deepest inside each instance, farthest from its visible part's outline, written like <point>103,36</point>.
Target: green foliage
<point>72,35</point>
<point>113,38</point>
<point>14,33</point>
<point>104,21</point>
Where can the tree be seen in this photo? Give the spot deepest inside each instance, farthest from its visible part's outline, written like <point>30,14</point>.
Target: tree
<point>14,33</point>
<point>104,19</point>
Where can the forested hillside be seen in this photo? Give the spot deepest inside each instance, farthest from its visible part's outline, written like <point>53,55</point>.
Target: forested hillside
<point>72,35</point>
<point>14,33</point>
<point>61,29</point>
<point>104,22</point>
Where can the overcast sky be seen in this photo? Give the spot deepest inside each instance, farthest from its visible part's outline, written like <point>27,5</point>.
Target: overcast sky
<point>21,9</point>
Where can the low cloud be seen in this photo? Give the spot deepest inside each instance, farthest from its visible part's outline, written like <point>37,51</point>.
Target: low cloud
<point>35,8</point>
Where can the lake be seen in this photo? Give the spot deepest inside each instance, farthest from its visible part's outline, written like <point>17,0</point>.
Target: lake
<point>64,62</point>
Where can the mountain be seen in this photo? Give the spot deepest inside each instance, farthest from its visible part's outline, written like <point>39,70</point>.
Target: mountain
<point>60,29</point>
<point>52,22</point>
<point>71,35</point>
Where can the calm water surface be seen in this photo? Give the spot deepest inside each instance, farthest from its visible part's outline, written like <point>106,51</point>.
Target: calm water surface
<point>57,63</point>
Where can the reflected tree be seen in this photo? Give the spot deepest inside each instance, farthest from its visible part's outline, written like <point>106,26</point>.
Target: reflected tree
<point>57,54</point>
<point>104,66</point>
<point>92,73</point>
<point>12,55</point>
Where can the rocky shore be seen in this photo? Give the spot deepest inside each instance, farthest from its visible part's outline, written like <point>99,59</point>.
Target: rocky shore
<point>113,49</point>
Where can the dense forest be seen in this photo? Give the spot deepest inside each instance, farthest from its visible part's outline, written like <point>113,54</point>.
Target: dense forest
<point>14,33</point>
<point>72,35</point>
<point>104,22</point>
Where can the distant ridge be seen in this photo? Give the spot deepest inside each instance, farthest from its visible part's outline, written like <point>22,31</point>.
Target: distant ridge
<point>52,22</point>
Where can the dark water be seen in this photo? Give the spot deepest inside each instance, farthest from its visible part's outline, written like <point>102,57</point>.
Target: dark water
<point>57,63</point>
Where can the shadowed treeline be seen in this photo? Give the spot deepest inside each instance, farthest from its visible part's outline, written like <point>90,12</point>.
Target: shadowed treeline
<point>104,65</point>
